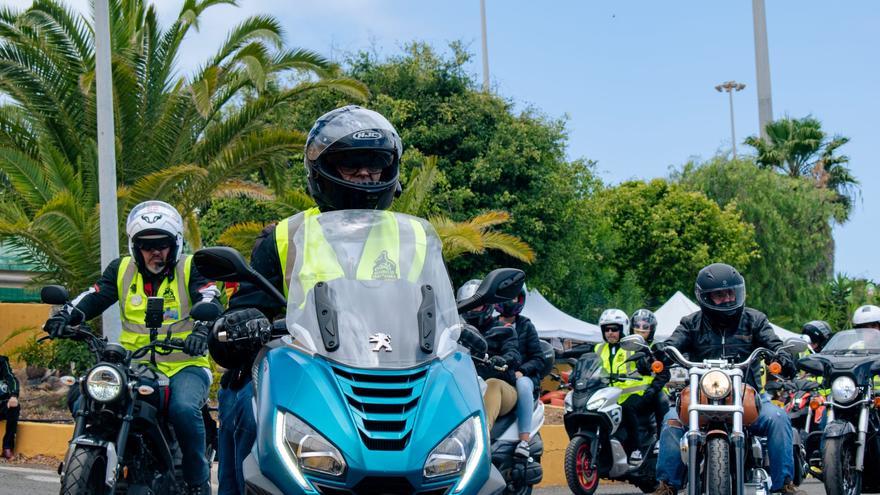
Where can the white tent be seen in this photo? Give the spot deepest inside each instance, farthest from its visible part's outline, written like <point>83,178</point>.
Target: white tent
<point>678,306</point>
<point>552,322</point>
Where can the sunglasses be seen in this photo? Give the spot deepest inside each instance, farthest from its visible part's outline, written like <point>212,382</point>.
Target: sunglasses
<point>606,330</point>
<point>352,162</point>
<point>158,245</point>
<point>641,328</point>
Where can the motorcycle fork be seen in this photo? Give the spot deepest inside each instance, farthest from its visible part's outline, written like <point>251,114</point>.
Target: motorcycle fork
<point>862,435</point>
<point>594,451</point>
<point>122,441</point>
<point>738,435</point>
<point>693,439</point>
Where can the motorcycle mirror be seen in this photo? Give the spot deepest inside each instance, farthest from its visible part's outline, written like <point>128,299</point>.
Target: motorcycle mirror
<point>501,284</point>
<point>227,264</point>
<point>633,343</point>
<point>54,294</point>
<point>795,345</point>
<point>204,311</point>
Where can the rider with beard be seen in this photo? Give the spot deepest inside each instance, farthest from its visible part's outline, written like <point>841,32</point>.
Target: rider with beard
<point>624,374</point>
<point>725,328</point>
<point>500,396</point>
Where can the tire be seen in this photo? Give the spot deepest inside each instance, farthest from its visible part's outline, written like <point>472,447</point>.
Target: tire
<point>580,479</point>
<point>717,465</point>
<point>839,474</point>
<point>85,473</point>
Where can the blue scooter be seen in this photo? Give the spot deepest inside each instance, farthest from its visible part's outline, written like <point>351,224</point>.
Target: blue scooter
<point>369,392</point>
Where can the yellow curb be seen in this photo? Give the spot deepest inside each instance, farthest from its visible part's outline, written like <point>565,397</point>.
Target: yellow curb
<point>35,439</point>
<point>50,440</point>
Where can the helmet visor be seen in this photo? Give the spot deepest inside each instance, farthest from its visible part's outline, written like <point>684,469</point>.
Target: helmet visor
<point>724,298</point>
<point>364,125</point>
<point>348,163</point>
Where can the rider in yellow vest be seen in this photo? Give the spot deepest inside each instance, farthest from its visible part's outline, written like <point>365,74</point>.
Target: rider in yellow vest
<point>624,374</point>
<point>868,316</point>
<point>156,267</point>
<point>352,156</point>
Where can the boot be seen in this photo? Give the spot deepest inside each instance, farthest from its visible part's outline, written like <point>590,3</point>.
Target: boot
<point>789,488</point>
<point>7,454</point>
<point>664,489</point>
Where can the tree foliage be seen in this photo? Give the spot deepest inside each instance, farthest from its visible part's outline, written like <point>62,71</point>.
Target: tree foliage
<point>800,148</point>
<point>791,219</point>
<point>661,235</point>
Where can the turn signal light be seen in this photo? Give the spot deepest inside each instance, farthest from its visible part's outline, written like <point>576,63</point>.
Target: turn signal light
<point>68,380</point>
<point>657,367</point>
<point>877,402</point>
<point>146,390</point>
<point>815,402</point>
<point>775,368</point>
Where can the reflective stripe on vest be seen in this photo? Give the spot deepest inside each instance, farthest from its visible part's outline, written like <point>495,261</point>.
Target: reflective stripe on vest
<point>394,248</point>
<point>633,383</point>
<point>133,309</point>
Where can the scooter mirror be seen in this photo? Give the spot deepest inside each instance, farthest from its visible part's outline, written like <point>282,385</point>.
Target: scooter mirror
<point>795,345</point>
<point>633,343</point>
<point>204,311</point>
<point>54,294</point>
<point>227,264</point>
<point>501,284</point>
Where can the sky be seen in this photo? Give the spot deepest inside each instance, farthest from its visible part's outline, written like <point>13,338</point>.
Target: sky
<point>635,80</point>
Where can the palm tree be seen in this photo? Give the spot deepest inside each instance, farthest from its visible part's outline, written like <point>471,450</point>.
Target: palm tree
<point>179,138</point>
<point>800,148</point>
<point>473,236</point>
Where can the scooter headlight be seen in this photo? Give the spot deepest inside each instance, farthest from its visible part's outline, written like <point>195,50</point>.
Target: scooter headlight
<point>567,405</point>
<point>460,451</point>
<point>596,403</point>
<point>104,383</point>
<point>844,389</point>
<point>715,384</point>
<point>312,451</point>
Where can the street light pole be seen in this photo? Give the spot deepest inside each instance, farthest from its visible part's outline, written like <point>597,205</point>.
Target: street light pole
<point>730,87</point>
<point>485,47</point>
<point>762,67</point>
<point>109,220</point>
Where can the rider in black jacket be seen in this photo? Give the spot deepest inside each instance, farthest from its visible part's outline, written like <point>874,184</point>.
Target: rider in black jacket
<point>725,328</point>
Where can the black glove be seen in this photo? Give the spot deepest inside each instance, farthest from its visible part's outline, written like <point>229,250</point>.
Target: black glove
<point>650,395</point>
<point>196,343</point>
<point>789,370</point>
<point>471,339</point>
<point>497,361</point>
<point>55,325</point>
<point>244,324</point>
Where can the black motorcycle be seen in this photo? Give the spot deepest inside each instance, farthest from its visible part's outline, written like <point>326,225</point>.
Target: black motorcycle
<point>122,441</point>
<point>850,444</point>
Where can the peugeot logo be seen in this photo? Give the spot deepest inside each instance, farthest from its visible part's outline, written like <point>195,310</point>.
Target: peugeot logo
<point>364,135</point>
<point>381,341</point>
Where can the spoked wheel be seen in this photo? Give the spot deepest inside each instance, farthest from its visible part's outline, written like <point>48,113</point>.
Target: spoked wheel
<point>581,477</point>
<point>840,475</point>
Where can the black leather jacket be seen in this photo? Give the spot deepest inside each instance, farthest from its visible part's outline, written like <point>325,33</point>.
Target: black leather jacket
<point>699,341</point>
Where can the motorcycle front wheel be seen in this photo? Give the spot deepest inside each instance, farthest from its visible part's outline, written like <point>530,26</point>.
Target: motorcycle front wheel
<point>85,473</point>
<point>840,475</point>
<point>581,478</point>
<point>717,466</point>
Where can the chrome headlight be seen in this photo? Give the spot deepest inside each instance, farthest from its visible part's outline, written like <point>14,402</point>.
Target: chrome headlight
<point>459,451</point>
<point>844,389</point>
<point>715,384</point>
<point>104,383</point>
<point>309,449</point>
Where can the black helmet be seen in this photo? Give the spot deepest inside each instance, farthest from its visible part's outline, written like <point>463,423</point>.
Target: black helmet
<point>355,138</point>
<point>721,295</point>
<point>475,317</point>
<point>514,306</point>
<point>644,316</point>
<point>819,332</point>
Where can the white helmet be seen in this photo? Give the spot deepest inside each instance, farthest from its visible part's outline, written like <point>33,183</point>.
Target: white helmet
<point>154,220</point>
<point>614,317</point>
<point>866,314</point>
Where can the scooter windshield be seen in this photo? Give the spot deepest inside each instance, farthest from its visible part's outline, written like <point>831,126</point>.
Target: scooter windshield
<point>857,341</point>
<point>369,289</point>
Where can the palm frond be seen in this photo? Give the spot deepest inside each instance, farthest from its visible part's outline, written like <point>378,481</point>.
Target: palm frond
<point>235,188</point>
<point>241,237</point>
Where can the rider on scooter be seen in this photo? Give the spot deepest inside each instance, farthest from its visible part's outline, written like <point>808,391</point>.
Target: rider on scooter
<point>643,322</point>
<point>725,327</point>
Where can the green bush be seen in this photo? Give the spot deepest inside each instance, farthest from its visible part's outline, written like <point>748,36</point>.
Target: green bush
<point>35,353</point>
<point>69,351</point>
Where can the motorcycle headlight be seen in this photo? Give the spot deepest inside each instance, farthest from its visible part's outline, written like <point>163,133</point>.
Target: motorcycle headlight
<point>568,407</point>
<point>715,384</point>
<point>309,449</point>
<point>843,389</point>
<point>596,403</point>
<point>460,451</point>
<point>104,383</point>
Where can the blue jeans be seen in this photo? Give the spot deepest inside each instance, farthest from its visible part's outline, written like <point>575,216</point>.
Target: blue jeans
<point>772,423</point>
<point>189,392</point>
<point>525,401</point>
<point>238,431</point>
